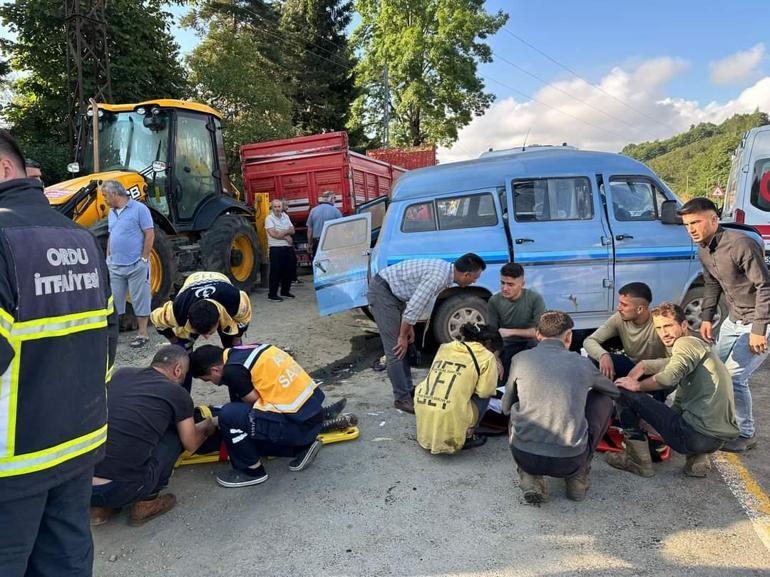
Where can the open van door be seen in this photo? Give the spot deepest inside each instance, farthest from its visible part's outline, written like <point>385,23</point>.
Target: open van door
<point>341,265</point>
<point>377,208</point>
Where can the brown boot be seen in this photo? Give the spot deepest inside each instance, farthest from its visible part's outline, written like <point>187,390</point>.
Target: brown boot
<point>697,465</point>
<point>143,511</point>
<point>100,515</point>
<point>534,487</point>
<point>577,486</point>
<point>635,458</point>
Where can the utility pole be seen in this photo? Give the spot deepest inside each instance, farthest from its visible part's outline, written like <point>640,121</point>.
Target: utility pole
<point>386,115</point>
<point>88,60</point>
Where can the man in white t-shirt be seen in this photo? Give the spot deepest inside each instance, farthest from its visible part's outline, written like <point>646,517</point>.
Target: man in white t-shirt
<point>280,240</point>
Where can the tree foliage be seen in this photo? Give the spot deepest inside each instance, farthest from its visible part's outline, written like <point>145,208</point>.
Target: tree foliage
<point>431,49</point>
<point>144,64</point>
<point>235,69</point>
<point>318,63</point>
<point>693,163</point>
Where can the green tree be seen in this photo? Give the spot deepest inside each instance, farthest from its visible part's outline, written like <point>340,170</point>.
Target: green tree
<point>234,70</point>
<point>693,163</point>
<point>431,49</point>
<point>144,63</point>
<point>319,63</point>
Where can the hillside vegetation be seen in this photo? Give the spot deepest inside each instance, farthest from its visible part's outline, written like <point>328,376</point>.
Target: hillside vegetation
<point>693,163</point>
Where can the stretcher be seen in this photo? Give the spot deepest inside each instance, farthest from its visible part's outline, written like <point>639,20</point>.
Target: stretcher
<point>220,456</point>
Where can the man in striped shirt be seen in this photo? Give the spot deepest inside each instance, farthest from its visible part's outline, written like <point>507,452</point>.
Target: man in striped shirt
<point>401,295</point>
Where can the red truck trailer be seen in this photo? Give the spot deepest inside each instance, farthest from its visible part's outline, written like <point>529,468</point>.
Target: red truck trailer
<point>300,169</point>
<point>410,158</point>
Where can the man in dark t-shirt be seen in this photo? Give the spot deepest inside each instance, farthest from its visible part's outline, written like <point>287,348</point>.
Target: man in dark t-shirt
<point>150,420</point>
<point>514,313</point>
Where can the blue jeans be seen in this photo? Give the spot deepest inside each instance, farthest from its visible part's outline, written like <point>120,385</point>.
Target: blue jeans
<point>733,348</point>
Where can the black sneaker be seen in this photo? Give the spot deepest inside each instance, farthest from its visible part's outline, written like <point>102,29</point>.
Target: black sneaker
<point>288,295</point>
<point>303,460</point>
<point>331,411</point>
<point>234,478</point>
<point>474,441</point>
<point>339,423</point>
<point>276,299</point>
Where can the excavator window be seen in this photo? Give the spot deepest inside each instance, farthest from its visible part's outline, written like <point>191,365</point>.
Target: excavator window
<point>195,164</point>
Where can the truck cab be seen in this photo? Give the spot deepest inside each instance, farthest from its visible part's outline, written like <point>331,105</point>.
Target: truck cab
<point>581,223</point>
<point>747,199</point>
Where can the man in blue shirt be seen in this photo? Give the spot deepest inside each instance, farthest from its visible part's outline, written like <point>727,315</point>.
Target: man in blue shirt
<point>323,211</point>
<point>128,253</point>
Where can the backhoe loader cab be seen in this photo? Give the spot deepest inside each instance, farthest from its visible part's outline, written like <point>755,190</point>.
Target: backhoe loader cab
<point>168,154</point>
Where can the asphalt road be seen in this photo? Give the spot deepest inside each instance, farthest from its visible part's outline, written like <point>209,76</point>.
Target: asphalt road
<point>380,505</point>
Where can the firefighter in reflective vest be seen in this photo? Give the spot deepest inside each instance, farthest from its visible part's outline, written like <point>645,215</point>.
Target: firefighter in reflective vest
<point>281,414</point>
<point>58,334</point>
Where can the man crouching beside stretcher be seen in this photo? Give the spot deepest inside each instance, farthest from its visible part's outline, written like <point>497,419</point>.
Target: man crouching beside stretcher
<point>281,414</point>
<point>150,419</point>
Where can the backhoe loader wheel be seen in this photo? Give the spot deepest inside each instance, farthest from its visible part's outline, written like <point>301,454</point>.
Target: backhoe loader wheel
<point>230,246</point>
<point>162,275</point>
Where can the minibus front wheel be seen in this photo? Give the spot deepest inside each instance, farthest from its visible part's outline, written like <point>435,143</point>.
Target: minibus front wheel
<point>454,312</point>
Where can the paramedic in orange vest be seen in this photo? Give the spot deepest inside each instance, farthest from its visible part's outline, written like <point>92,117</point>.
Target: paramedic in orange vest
<point>281,413</point>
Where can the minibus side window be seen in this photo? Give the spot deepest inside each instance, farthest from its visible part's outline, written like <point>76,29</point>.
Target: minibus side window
<point>419,217</point>
<point>760,185</point>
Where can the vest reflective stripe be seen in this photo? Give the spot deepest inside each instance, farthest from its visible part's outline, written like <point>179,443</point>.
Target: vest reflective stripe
<point>47,458</point>
<point>252,358</point>
<point>8,381</point>
<point>16,333</point>
<point>289,407</point>
<point>58,326</point>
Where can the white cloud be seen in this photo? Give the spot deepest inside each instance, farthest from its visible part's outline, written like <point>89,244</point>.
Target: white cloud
<point>738,67</point>
<point>631,106</point>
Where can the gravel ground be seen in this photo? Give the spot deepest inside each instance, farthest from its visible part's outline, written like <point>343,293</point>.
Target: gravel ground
<point>380,505</point>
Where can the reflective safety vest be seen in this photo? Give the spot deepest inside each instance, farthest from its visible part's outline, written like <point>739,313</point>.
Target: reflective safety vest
<point>54,345</point>
<point>282,385</point>
<point>234,305</point>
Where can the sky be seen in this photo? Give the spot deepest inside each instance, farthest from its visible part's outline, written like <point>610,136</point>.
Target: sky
<point>599,74</point>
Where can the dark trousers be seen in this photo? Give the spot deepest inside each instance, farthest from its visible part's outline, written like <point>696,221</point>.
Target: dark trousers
<point>387,310</point>
<point>675,431</point>
<point>509,351</point>
<point>282,269</point>
<point>598,410</point>
<point>250,435</point>
<point>315,248</point>
<point>48,534</point>
<point>120,493</point>
<point>623,365</point>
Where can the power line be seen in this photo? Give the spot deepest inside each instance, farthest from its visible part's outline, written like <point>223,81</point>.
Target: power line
<point>536,77</point>
<point>571,71</point>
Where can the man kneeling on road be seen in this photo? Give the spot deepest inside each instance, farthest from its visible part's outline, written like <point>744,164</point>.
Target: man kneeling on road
<point>281,414</point>
<point>402,294</point>
<point>632,325</point>
<point>150,420</point>
<point>702,417</point>
<point>560,406</point>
